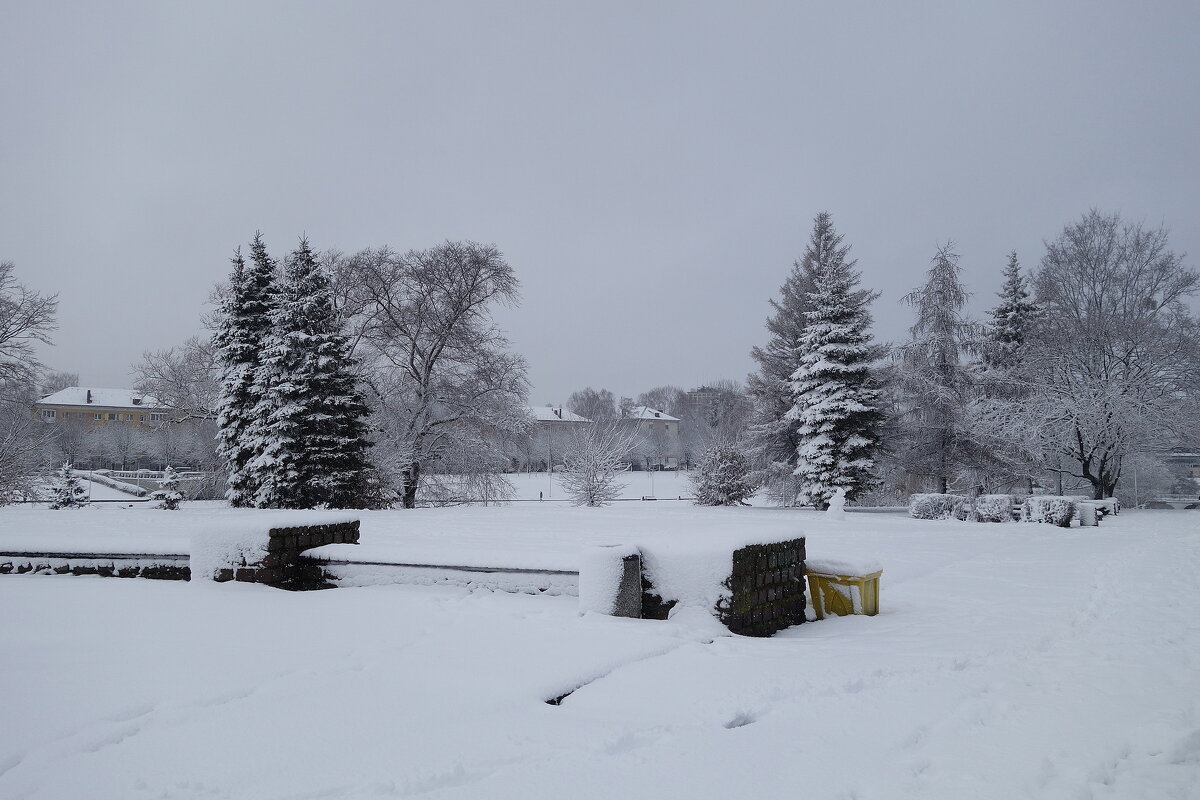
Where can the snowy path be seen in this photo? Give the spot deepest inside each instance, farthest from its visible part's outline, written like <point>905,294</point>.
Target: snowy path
<point>1008,662</point>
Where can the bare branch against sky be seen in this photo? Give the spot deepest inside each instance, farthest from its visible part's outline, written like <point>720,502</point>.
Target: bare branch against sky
<point>650,170</point>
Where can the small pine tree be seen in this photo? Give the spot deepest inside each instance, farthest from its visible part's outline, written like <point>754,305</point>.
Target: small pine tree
<point>836,401</point>
<point>68,492</point>
<point>243,324</point>
<point>723,476</point>
<point>311,441</point>
<point>168,495</point>
<point>1012,320</point>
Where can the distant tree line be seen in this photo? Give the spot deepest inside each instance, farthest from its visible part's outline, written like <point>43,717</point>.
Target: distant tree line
<point>381,378</point>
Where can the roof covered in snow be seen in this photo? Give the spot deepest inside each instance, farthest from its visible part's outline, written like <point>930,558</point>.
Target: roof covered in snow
<point>115,398</point>
<point>646,412</point>
<point>555,414</point>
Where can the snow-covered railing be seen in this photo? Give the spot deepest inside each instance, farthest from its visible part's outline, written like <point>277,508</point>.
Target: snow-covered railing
<point>105,479</point>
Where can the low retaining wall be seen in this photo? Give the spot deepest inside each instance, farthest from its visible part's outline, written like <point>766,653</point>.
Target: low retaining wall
<point>283,565</point>
<point>106,565</point>
<point>279,563</point>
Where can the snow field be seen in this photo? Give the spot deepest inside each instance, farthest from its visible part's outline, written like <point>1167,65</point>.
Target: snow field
<point>1008,661</point>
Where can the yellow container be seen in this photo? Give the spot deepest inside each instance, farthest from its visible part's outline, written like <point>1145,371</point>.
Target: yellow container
<point>844,594</point>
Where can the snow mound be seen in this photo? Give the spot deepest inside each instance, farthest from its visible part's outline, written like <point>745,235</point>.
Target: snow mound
<point>600,571</point>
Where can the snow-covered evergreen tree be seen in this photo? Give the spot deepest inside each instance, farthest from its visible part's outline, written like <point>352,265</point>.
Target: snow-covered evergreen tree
<point>723,478</point>
<point>310,449</point>
<point>773,437</point>
<point>242,326</point>
<point>836,402</point>
<point>1012,320</point>
<point>936,387</point>
<point>168,495</point>
<point>67,492</point>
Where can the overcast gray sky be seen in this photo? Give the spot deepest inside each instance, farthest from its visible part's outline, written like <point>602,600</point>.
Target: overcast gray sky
<point>650,170</point>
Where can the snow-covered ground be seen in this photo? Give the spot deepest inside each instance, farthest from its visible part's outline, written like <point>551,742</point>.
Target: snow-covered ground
<point>1008,661</point>
<point>666,485</point>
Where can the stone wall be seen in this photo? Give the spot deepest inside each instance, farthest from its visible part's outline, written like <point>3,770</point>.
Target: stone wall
<point>766,586</point>
<point>106,565</point>
<point>283,566</point>
<point>767,589</point>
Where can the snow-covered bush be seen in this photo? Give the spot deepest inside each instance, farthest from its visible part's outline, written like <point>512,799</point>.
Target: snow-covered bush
<point>723,476</point>
<point>1050,510</point>
<point>994,508</point>
<point>67,492</point>
<point>594,461</point>
<point>934,506</point>
<point>168,494</point>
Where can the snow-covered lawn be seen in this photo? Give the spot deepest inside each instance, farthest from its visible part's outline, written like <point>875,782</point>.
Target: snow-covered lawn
<point>1009,661</point>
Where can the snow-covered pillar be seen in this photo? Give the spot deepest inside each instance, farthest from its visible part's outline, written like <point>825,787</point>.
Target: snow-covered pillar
<point>610,580</point>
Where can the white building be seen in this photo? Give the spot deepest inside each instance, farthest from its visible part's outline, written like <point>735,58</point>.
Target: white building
<point>660,446</point>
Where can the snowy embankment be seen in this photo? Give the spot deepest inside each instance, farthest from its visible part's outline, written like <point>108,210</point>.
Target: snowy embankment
<point>1008,661</point>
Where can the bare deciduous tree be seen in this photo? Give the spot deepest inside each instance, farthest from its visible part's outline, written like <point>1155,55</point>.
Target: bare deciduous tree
<point>26,318</point>
<point>593,404</point>
<point>185,379</point>
<point>1113,364</point>
<point>440,373</point>
<point>594,460</point>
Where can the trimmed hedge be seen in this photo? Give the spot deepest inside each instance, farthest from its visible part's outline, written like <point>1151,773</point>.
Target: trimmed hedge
<point>935,506</point>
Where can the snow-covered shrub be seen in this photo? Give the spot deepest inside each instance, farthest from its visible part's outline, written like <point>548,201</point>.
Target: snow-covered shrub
<point>994,508</point>
<point>1050,510</point>
<point>723,476</point>
<point>594,461</point>
<point>168,494</point>
<point>67,492</point>
<point>934,506</point>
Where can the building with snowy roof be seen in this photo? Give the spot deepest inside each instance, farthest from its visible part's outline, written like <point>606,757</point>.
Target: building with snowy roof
<point>101,406</point>
<point>553,427</point>
<point>658,432</point>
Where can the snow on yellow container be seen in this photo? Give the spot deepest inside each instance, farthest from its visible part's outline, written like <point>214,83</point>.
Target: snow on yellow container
<point>843,587</point>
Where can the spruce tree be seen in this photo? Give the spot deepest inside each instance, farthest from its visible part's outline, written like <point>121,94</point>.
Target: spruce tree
<point>723,478</point>
<point>835,400</point>
<point>167,494</point>
<point>243,324</point>
<point>311,449</point>
<point>773,437</point>
<point>68,492</point>
<point>1012,320</point>
<point>936,386</point>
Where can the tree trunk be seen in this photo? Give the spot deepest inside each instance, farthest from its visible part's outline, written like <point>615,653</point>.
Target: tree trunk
<point>410,476</point>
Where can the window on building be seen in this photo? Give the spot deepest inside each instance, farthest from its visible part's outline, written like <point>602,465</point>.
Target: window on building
<point>113,417</point>
<point>141,417</point>
<point>157,417</point>
<point>47,413</point>
<point>99,416</point>
<point>129,417</point>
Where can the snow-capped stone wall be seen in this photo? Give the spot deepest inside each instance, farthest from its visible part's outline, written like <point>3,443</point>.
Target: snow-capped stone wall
<point>269,555</point>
